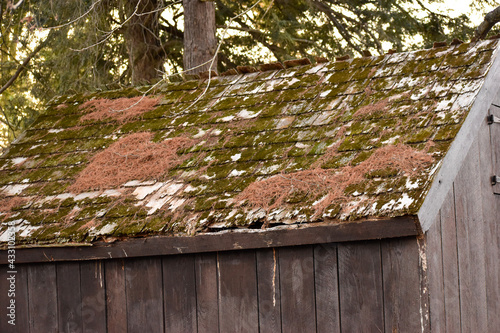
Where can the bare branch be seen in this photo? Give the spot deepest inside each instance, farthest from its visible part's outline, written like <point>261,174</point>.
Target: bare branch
<point>109,33</point>
<point>490,20</point>
<point>76,19</point>
<point>24,64</point>
<point>14,7</point>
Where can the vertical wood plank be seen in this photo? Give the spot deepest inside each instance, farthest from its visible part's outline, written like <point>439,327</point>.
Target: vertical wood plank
<point>42,291</point>
<point>69,305</point>
<point>5,300</point>
<point>207,307</point>
<point>326,284</point>
<point>179,284</point>
<point>116,299</point>
<point>297,289</point>
<point>19,293</point>
<point>238,292</point>
<point>493,265</point>
<point>435,276</point>
<point>489,141</point>
<point>22,299</point>
<point>268,277</point>
<point>405,306</point>
<point>144,284</point>
<point>93,296</point>
<point>449,250</point>
<point>360,285</point>
<point>471,251</point>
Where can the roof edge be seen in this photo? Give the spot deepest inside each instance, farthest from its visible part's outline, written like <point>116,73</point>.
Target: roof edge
<point>302,234</point>
<point>456,155</point>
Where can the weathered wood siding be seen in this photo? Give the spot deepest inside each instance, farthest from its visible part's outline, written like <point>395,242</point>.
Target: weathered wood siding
<point>463,245</point>
<point>370,286</point>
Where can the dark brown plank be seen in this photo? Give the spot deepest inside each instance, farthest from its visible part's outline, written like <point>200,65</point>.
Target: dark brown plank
<point>360,286</point>
<point>405,303</point>
<point>435,276</point>
<point>268,277</point>
<point>5,301</point>
<point>42,291</point>
<point>206,292</point>
<point>179,287</point>
<point>311,233</point>
<point>471,251</point>
<point>297,289</point>
<point>238,292</point>
<point>489,139</point>
<point>327,293</point>
<point>116,300</point>
<point>13,286</point>
<point>144,283</point>
<point>93,291</point>
<point>69,302</point>
<point>451,287</point>
<point>22,299</point>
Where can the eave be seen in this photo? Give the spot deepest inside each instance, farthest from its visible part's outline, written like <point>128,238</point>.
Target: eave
<point>292,235</point>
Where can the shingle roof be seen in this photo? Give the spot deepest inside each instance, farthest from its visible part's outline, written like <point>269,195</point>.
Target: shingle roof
<point>348,140</point>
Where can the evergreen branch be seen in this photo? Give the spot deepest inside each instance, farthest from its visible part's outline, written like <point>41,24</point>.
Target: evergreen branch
<point>341,29</point>
<point>7,122</point>
<point>408,15</point>
<point>76,19</point>
<point>257,35</point>
<point>25,63</point>
<point>432,12</point>
<point>362,25</point>
<point>261,37</point>
<point>109,33</point>
<point>244,28</point>
<point>159,9</point>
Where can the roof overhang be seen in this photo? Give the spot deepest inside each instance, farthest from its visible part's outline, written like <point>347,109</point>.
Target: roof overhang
<point>233,239</point>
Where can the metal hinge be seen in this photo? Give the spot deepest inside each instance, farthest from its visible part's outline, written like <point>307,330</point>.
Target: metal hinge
<point>493,119</point>
<point>495,180</point>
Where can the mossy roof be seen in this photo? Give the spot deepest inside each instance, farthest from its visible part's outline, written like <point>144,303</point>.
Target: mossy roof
<point>343,141</point>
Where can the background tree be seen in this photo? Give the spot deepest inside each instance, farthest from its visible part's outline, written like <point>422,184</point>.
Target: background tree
<point>200,42</point>
<point>57,47</point>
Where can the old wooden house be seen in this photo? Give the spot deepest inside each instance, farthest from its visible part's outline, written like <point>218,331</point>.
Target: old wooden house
<point>352,196</point>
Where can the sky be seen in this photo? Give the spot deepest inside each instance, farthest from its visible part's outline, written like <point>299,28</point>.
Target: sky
<point>463,6</point>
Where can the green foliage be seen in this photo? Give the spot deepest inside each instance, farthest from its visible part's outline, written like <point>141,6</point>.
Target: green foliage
<point>89,51</point>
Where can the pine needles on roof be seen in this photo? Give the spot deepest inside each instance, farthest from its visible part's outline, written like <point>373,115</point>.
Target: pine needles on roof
<point>133,157</point>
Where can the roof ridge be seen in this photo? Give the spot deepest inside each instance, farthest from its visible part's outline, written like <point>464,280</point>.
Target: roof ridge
<point>306,61</point>
<point>275,66</point>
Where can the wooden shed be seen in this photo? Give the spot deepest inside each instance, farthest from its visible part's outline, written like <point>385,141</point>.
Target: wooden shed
<point>353,196</point>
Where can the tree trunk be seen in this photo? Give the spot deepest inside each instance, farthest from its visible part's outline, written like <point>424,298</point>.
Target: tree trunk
<point>143,42</point>
<point>200,43</point>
